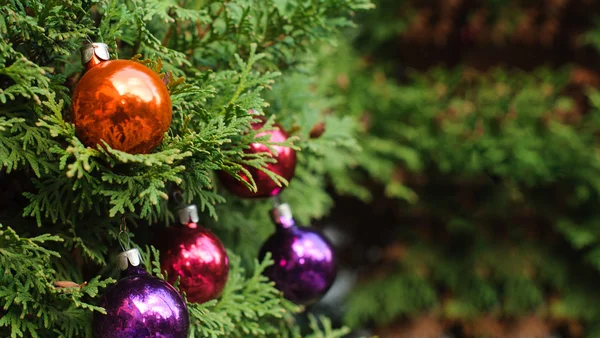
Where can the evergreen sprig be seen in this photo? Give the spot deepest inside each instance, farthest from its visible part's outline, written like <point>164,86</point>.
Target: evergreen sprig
<point>33,302</point>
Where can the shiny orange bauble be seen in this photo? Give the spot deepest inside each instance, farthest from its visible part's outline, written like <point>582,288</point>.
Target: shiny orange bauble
<point>122,103</point>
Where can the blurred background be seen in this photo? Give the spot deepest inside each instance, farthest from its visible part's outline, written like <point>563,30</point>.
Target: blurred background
<point>480,124</point>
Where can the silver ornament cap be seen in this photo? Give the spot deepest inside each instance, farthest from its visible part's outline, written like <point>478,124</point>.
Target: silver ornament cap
<point>129,258</point>
<point>282,215</point>
<point>99,49</point>
<point>187,214</point>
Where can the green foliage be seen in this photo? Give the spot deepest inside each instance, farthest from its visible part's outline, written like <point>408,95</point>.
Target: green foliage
<point>321,327</point>
<point>592,37</point>
<point>386,299</point>
<point>32,304</point>
<point>496,172</point>
<point>220,58</point>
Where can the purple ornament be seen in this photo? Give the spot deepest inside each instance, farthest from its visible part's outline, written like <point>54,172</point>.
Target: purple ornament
<point>305,266</point>
<point>140,305</point>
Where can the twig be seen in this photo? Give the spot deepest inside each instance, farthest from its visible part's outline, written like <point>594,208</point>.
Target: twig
<point>202,31</point>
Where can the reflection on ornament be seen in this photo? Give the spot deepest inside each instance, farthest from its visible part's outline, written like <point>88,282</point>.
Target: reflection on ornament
<point>122,103</point>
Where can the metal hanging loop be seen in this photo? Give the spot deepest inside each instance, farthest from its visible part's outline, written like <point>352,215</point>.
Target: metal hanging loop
<point>276,201</point>
<point>123,232</point>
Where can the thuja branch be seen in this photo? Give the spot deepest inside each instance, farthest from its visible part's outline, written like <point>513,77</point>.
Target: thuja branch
<point>202,31</point>
<point>243,76</point>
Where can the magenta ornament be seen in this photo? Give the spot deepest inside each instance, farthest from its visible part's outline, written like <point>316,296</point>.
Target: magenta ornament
<point>285,166</point>
<point>305,264</point>
<point>140,305</point>
<point>194,255</point>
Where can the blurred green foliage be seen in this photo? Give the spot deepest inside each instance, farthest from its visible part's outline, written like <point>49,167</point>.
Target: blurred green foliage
<point>495,170</point>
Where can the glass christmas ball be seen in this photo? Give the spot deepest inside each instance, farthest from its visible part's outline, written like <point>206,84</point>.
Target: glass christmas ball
<point>305,265</point>
<point>122,103</point>
<point>197,257</point>
<point>285,166</point>
<point>140,305</point>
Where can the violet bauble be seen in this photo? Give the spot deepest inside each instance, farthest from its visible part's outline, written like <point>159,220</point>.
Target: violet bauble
<point>305,265</point>
<point>140,305</point>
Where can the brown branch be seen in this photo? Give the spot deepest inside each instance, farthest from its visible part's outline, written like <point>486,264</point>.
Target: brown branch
<point>167,36</point>
<point>202,31</point>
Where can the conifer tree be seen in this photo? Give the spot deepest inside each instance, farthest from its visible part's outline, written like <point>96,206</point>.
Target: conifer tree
<point>63,204</point>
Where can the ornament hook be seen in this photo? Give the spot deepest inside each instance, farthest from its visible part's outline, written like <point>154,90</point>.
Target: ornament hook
<point>178,196</point>
<point>123,231</point>
<point>276,201</point>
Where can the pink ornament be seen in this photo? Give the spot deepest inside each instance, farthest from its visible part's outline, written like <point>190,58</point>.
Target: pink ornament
<point>194,255</point>
<point>284,167</point>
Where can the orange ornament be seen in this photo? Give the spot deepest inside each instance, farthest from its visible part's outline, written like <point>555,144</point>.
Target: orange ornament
<point>121,102</point>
